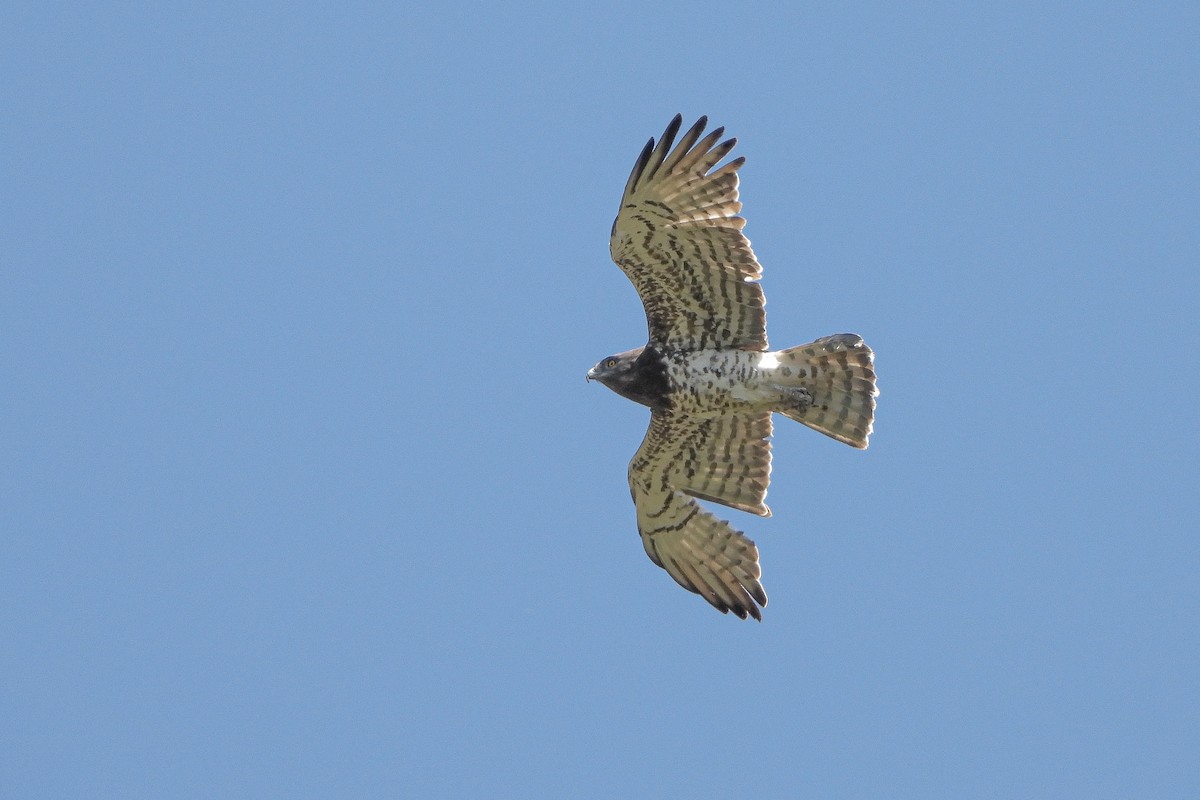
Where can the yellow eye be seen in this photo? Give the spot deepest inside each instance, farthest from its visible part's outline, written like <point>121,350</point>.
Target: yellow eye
<point>610,363</point>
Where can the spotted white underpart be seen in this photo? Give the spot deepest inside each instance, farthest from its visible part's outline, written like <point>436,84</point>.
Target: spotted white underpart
<point>720,381</point>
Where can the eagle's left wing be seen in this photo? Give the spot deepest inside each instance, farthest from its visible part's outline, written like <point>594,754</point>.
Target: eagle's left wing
<point>679,239</point>
<point>727,460</point>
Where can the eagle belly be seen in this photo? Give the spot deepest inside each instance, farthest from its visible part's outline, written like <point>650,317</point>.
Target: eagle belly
<point>710,382</point>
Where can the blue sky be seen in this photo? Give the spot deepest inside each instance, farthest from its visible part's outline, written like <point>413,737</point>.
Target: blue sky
<point>303,493</point>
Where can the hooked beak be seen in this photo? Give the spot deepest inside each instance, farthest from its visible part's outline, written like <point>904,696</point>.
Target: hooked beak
<point>591,373</point>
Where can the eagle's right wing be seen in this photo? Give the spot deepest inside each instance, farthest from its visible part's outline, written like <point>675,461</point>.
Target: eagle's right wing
<point>726,460</point>
<point>679,238</point>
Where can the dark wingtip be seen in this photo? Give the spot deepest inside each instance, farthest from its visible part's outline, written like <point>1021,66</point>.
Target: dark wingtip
<point>743,610</point>
<point>639,167</point>
<point>747,611</point>
<point>668,136</point>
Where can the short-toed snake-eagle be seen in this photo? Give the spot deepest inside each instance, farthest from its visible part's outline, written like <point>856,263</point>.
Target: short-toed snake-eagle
<point>706,373</point>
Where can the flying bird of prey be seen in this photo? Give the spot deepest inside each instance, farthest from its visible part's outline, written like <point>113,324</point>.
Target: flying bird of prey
<point>706,373</point>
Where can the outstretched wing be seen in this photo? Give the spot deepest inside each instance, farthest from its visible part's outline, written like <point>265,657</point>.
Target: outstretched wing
<point>727,460</point>
<point>679,239</point>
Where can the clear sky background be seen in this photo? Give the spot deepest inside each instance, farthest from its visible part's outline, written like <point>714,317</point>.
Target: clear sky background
<point>303,493</point>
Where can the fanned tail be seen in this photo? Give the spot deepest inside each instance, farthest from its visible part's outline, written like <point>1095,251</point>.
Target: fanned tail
<point>838,373</point>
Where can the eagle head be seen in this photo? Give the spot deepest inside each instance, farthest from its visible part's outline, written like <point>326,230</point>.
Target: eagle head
<point>640,375</point>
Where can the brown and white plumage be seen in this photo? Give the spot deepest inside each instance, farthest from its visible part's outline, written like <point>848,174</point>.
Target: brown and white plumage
<point>724,459</point>
<point>679,239</point>
<point>705,371</point>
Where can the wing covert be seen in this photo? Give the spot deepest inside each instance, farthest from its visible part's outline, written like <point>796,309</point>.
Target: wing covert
<point>725,459</point>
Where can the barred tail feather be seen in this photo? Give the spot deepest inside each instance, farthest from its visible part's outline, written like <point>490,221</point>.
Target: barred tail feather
<point>838,372</point>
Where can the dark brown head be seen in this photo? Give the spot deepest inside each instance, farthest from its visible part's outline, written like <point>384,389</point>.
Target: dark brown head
<point>640,375</point>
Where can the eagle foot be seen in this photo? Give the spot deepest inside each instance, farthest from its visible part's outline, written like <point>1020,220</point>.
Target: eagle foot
<point>798,400</point>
